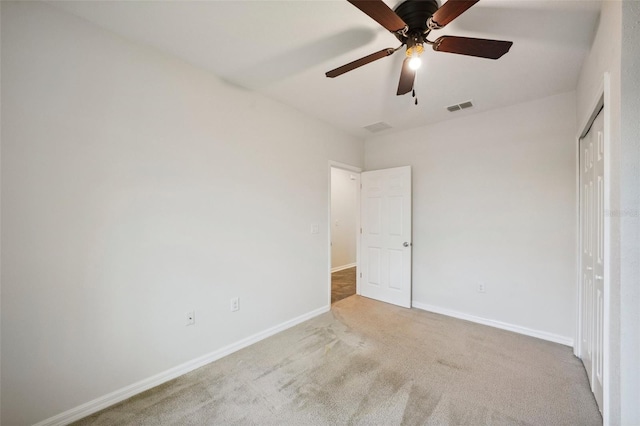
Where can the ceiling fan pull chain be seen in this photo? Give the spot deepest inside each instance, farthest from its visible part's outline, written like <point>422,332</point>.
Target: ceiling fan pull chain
<point>416,101</point>
<point>413,93</point>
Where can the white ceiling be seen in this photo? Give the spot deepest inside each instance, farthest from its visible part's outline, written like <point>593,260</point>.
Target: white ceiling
<point>283,48</point>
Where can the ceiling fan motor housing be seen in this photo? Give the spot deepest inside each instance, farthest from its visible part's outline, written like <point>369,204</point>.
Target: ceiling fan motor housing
<point>415,14</point>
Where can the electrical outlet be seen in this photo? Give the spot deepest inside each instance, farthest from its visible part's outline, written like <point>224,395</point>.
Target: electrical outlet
<point>235,304</point>
<point>190,318</point>
<point>481,288</point>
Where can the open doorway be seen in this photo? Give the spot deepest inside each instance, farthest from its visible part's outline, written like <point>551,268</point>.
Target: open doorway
<point>344,231</point>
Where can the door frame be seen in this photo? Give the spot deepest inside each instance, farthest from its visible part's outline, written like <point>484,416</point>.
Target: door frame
<point>601,101</point>
<point>354,169</point>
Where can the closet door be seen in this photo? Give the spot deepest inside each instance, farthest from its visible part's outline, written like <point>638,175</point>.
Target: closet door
<point>598,257</point>
<point>592,254</point>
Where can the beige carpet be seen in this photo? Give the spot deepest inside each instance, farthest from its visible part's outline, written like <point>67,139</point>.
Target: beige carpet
<point>368,363</point>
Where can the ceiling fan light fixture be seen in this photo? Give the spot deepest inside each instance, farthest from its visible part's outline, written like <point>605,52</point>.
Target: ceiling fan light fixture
<point>414,50</point>
<point>415,63</point>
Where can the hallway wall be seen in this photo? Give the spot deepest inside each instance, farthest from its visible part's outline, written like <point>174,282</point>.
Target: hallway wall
<point>344,214</point>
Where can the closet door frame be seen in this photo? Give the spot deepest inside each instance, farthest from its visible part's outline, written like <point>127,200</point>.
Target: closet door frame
<point>601,101</point>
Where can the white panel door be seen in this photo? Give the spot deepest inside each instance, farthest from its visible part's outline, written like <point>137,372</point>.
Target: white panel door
<point>598,256</point>
<point>386,235</point>
<point>586,228</point>
<point>592,254</point>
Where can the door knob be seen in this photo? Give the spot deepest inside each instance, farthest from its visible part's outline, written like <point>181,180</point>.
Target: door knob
<point>406,244</point>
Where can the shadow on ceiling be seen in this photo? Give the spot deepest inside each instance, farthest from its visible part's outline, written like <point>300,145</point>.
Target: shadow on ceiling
<point>562,26</point>
<point>296,60</point>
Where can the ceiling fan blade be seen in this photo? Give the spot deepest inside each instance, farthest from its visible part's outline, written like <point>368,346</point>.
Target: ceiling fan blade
<point>381,13</point>
<point>360,62</point>
<point>482,48</point>
<point>450,11</point>
<point>407,77</point>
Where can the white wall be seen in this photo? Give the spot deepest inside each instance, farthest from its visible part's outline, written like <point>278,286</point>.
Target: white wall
<point>135,188</point>
<point>0,214</point>
<point>615,50</point>
<point>494,202</point>
<point>344,213</point>
<point>604,56</point>
<point>630,218</point>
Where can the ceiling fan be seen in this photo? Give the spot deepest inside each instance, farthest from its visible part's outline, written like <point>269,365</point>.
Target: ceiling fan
<point>411,22</point>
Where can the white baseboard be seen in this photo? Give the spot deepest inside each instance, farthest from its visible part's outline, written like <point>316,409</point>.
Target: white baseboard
<point>112,398</point>
<point>340,268</point>
<point>563,340</point>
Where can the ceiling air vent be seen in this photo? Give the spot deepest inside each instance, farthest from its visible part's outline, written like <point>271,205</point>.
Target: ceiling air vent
<point>458,107</point>
<point>377,127</point>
